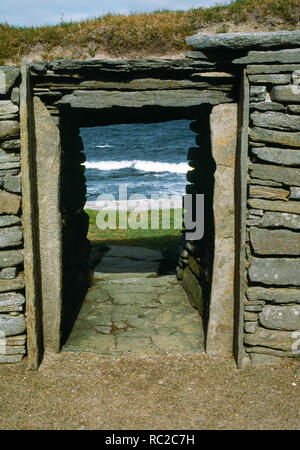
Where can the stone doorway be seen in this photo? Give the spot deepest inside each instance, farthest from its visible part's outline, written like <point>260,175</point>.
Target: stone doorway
<point>62,229</point>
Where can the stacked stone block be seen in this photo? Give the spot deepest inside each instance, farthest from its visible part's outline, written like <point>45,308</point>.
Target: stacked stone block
<point>272,306</point>
<point>12,300</point>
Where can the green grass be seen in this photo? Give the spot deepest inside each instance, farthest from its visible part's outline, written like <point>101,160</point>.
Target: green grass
<point>166,240</point>
<point>139,35</point>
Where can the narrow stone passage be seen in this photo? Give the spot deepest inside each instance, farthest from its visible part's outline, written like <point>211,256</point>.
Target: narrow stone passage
<point>131,309</point>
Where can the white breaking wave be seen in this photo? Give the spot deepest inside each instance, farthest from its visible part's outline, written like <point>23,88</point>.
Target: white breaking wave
<point>145,166</point>
<point>104,146</point>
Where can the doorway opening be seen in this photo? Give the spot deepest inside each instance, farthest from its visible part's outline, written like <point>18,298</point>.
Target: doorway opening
<point>134,298</point>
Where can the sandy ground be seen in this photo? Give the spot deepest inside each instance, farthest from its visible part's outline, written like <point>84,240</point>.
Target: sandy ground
<point>89,391</point>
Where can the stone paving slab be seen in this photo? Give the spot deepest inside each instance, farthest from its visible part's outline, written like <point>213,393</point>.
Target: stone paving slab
<point>128,261</point>
<point>137,315</point>
<point>137,253</point>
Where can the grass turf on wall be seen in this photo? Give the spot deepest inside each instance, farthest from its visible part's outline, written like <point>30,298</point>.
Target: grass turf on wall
<point>141,35</point>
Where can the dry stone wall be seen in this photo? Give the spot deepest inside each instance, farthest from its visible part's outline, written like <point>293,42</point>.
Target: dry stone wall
<point>12,299</point>
<point>272,248</point>
<point>272,308</point>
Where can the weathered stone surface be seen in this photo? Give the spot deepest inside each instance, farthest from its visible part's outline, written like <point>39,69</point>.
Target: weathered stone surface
<point>273,69</point>
<point>274,295</point>
<point>250,327</point>
<point>277,137</point>
<point>250,317</point>
<point>285,94</point>
<point>268,192</point>
<point>259,182</point>
<point>5,166</point>
<point>145,66</point>
<point>8,77</point>
<point>276,56</point>
<point>280,317</point>
<point>270,78</point>
<point>275,205</point>
<point>296,77</point>
<point>11,302</point>
<point>143,84</point>
<point>15,96</point>
<point>295,193</point>
<point>257,359</point>
<point>12,325</point>
<point>253,307</point>
<point>277,271</point>
<point>12,285</point>
<point>9,359</point>
<point>242,41</point>
<point>8,273</point>
<point>48,163</point>
<point>275,242</point>
<point>258,93</point>
<point>193,290</point>
<point>7,157</point>
<point>101,100</point>
<point>9,129</point>
<point>256,212</point>
<point>12,144</point>
<point>111,267</point>
<point>294,109</point>
<point>136,253</point>
<point>281,340</point>
<point>194,266</point>
<point>267,352</point>
<point>7,107</point>
<point>286,157</point>
<point>12,183</point>
<point>223,125</point>
<point>277,220</point>
<point>276,120</point>
<point>12,350</point>
<point>20,339</point>
<point>267,106</point>
<point>285,175</point>
<point>10,237</point>
<point>7,221</point>
<point>9,203</point>
<point>10,258</point>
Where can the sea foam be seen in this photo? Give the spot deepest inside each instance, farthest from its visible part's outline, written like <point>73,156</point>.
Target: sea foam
<point>145,166</point>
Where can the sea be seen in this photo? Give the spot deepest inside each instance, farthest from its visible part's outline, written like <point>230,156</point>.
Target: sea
<point>145,159</point>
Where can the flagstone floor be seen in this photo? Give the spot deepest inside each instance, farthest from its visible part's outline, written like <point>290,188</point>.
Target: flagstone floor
<point>131,309</point>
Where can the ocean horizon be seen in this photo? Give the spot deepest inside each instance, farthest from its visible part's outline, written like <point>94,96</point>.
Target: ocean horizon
<point>146,159</point>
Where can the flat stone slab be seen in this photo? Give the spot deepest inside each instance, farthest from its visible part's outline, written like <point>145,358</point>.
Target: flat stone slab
<point>276,271</point>
<point>243,41</point>
<point>132,261</point>
<point>136,253</point>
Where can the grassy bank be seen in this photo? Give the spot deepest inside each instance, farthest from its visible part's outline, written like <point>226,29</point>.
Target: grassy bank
<point>141,35</point>
<point>165,240</point>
